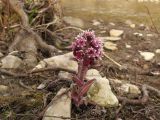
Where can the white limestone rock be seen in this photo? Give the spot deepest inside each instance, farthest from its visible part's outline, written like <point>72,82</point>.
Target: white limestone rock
<point>110,46</point>
<point>3,89</point>
<point>1,54</point>
<point>61,61</point>
<point>148,56</point>
<point>129,23</point>
<point>100,91</point>
<point>124,88</point>
<point>132,25</point>
<point>96,22</point>
<point>129,89</point>
<point>112,24</point>
<point>116,33</point>
<point>128,46</point>
<point>60,106</point>
<point>11,62</point>
<point>65,75</point>
<point>157,51</point>
<point>138,34</point>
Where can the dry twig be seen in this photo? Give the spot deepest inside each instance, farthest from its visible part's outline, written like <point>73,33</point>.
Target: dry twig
<point>141,101</point>
<point>149,88</point>
<point>52,69</point>
<point>116,63</point>
<point>9,73</point>
<point>151,19</point>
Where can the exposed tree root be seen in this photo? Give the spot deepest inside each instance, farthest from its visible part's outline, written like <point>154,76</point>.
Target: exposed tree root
<point>126,101</point>
<point>150,88</point>
<point>141,101</point>
<point>145,98</point>
<point>25,86</point>
<point>154,90</point>
<point>52,69</point>
<point>12,74</point>
<point>17,7</point>
<point>28,74</point>
<point>119,110</point>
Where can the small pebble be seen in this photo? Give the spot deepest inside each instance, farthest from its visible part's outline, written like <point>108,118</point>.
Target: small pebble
<point>116,33</point>
<point>147,55</point>
<point>110,46</point>
<point>157,51</point>
<point>128,46</point>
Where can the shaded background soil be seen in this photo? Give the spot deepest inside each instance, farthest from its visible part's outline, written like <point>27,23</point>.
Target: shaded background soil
<point>25,101</point>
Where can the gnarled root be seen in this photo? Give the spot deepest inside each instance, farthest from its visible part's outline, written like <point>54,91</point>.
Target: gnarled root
<point>27,39</point>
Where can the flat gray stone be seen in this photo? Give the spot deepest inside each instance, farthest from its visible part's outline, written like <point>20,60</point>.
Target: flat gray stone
<point>60,107</point>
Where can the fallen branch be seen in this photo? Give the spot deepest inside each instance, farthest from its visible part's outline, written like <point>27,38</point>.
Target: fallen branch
<point>52,69</point>
<point>150,88</point>
<point>28,74</point>
<point>25,86</point>
<point>153,89</point>
<point>43,10</point>
<point>9,73</point>
<point>47,24</point>
<point>48,116</point>
<point>125,101</point>
<point>119,109</point>
<point>40,42</point>
<point>116,63</point>
<point>141,101</point>
<point>12,27</point>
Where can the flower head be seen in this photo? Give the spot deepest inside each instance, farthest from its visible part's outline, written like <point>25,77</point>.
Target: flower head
<point>87,47</point>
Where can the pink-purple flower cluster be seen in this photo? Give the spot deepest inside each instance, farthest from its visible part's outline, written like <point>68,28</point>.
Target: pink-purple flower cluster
<point>87,47</point>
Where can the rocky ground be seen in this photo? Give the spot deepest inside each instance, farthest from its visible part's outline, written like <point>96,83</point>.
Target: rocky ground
<point>134,60</point>
<point>36,84</point>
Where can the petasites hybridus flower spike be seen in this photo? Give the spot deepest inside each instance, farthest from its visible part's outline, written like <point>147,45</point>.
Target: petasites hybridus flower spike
<point>87,48</point>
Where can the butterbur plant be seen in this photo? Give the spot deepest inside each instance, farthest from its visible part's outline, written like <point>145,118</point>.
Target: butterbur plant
<point>87,49</point>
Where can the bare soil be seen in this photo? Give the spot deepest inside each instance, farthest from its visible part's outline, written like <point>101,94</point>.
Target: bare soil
<point>24,102</point>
